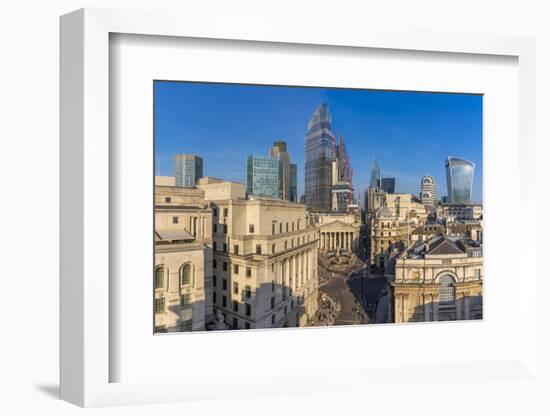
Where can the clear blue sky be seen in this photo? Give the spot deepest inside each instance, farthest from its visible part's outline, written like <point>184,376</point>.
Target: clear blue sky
<point>409,133</point>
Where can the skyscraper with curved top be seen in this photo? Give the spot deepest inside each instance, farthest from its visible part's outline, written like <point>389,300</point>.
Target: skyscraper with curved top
<point>320,144</point>
<point>460,179</point>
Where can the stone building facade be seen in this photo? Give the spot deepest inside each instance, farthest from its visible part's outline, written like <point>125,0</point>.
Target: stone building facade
<point>437,280</point>
<point>339,231</point>
<point>264,270</point>
<point>183,260</point>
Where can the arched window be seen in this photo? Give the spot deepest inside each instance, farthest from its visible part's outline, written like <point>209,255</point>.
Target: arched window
<point>185,275</point>
<point>447,293</point>
<point>159,277</point>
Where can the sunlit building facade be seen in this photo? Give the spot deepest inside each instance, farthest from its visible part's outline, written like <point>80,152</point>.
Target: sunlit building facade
<point>460,177</point>
<point>427,191</point>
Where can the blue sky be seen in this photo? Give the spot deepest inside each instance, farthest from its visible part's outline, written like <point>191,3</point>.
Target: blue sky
<point>409,133</point>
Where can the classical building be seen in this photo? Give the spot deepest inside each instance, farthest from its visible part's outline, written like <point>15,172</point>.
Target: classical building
<point>264,259</point>
<point>406,206</point>
<point>183,259</point>
<point>437,280</point>
<point>265,176</point>
<point>427,191</point>
<point>319,150</point>
<point>460,178</point>
<point>187,169</point>
<point>339,231</point>
<point>387,229</point>
<point>460,212</point>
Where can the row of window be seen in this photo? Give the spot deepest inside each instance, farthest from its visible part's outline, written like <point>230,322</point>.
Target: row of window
<point>183,326</point>
<point>236,268</point>
<point>235,304</point>
<point>225,247</point>
<point>215,212</point>
<point>184,276</point>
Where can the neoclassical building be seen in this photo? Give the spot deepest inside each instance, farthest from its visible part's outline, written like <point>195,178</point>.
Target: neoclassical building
<point>339,231</point>
<point>183,259</point>
<point>264,269</point>
<point>437,280</point>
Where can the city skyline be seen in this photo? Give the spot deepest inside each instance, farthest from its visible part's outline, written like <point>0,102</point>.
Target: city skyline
<point>205,119</point>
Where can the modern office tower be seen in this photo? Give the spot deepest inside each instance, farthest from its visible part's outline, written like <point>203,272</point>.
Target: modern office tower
<point>319,147</point>
<point>388,185</point>
<point>374,175</point>
<point>187,170</point>
<point>278,151</point>
<point>342,189</point>
<point>264,176</point>
<point>427,191</point>
<point>460,177</point>
<point>344,165</point>
<point>293,182</point>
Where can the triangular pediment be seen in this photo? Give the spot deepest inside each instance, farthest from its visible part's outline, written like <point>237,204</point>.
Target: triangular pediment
<point>336,225</point>
<point>445,247</point>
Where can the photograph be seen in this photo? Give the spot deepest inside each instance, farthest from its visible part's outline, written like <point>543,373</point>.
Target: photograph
<point>290,206</point>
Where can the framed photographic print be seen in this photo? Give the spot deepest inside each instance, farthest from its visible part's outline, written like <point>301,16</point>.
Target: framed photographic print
<point>288,208</point>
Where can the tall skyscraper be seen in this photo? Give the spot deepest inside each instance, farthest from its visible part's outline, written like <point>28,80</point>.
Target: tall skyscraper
<point>278,151</point>
<point>427,191</point>
<point>388,185</point>
<point>460,178</point>
<point>374,175</point>
<point>293,182</point>
<point>319,146</point>
<point>187,170</point>
<point>263,176</point>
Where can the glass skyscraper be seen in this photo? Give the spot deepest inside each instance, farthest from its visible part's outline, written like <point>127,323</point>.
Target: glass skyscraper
<point>293,182</point>
<point>374,175</point>
<point>460,177</point>
<point>388,185</point>
<point>264,176</point>
<point>320,143</point>
<point>187,170</point>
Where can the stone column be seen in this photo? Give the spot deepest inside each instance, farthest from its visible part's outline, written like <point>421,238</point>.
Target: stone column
<point>466,298</point>
<point>458,308</point>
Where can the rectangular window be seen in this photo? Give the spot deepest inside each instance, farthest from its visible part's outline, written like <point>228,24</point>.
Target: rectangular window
<point>159,278</point>
<point>236,288</point>
<point>273,319</point>
<point>478,273</point>
<point>214,281</point>
<point>248,272</point>
<point>235,323</point>
<point>273,228</point>
<point>248,291</point>
<point>293,226</point>
<point>224,284</point>
<point>236,249</point>
<point>224,266</point>
<point>160,304</point>
<point>248,309</point>
<point>215,228</point>
<point>258,249</point>
<point>272,302</point>
<point>224,302</point>
<point>186,326</point>
<point>215,212</point>
<point>280,228</point>
<point>225,247</point>
<point>286,245</point>
<point>273,285</point>
<point>214,297</point>
<point>235,306</point>
<point>174,220</point>
<point>214,263</point>
<point>225,228</point>
<point>186,300</point>
<point>287,227</point>
<point>225,212</point>
<point>251,228</point>
<point>214,246</point>
<point>235,269</point>
<point>167,199</point>
<point>272,248</point>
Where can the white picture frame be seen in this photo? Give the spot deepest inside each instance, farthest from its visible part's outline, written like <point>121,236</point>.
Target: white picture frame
<point>86,353</point>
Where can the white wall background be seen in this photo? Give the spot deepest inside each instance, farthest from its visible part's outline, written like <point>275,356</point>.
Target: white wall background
<point>29,103</point>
